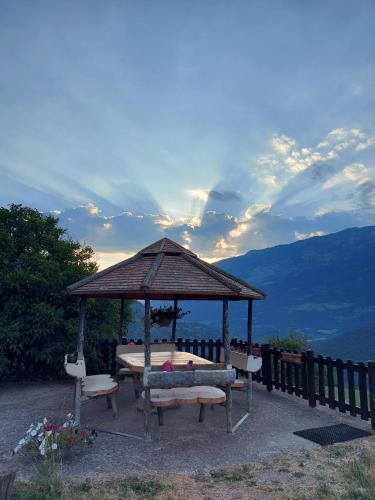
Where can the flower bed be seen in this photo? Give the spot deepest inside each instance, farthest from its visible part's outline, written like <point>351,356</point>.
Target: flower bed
<point>50,440</point>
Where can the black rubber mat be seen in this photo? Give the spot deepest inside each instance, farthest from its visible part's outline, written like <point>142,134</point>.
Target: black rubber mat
<point>332,434</point>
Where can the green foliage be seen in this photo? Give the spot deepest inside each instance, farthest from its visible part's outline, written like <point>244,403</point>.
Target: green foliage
<point>38,318</point>
<point>294,341</point>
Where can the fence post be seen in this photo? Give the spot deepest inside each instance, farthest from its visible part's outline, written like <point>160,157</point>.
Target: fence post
<point>267,369</point>
<point>311,379</point>
<point>371,383</point>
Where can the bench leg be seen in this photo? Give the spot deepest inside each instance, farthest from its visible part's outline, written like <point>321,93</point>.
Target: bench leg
<point>202,412</point>
<point>160,416</point>
<point>113,402</point>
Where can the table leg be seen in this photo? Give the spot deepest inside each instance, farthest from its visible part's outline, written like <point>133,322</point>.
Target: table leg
<point>138,385</point>
<point>160,416</point>
<point>202,412</point>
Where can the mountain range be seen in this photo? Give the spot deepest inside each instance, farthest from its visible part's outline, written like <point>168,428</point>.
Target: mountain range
<point>323,286</point>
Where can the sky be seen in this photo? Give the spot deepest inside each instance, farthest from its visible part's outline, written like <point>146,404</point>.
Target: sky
<point>226,126</point>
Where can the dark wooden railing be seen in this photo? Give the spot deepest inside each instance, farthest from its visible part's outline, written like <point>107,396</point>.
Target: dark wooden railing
<point>347,386</point>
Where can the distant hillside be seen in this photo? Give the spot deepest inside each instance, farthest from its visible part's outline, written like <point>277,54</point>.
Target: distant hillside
<point>357,345</point>
<point>323,286</point>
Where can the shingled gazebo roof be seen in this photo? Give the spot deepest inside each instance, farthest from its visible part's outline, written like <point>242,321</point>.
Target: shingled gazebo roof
<point>165,270</point>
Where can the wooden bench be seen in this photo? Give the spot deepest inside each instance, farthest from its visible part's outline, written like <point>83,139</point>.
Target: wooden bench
<point>202,395</point>
<point>93,386</point>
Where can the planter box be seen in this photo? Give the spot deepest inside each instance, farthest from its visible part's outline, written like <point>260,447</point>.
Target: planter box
<point>292,357</point>
<point>256,351</point>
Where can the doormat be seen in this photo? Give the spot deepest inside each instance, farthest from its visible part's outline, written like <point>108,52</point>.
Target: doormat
<point>332,434</point>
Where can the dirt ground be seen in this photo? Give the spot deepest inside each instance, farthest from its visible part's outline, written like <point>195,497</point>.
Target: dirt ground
<point>182,445</point>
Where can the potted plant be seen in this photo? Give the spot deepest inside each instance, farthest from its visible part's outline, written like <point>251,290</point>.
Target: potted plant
<point>52,442</point>
<point>292,357</point>
<point>163,316</point>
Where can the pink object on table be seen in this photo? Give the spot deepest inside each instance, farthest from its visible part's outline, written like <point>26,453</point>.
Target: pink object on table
<point>189,367</point>
<point>168,366</point>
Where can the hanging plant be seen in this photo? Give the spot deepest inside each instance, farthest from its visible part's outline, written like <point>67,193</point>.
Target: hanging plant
<point>163,316</point>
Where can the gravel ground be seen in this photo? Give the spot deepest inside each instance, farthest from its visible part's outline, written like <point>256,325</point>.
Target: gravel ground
<point>181,445</point>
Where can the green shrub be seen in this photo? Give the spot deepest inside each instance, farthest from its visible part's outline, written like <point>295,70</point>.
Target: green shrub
<point>38,318</point>
<point>294,341</point>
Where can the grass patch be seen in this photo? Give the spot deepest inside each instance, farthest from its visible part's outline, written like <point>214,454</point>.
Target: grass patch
<point>54,488</point>
<point>231,476</point>
<point>142,487</point>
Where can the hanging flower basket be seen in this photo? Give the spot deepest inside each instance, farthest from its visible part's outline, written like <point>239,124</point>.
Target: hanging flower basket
<point>291,357</point>
<point>163,316</point>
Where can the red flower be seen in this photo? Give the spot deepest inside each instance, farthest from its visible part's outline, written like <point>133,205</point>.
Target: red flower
<point>49,427</point>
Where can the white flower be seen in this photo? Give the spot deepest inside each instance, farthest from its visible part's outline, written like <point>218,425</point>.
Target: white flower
<point>54,446</point>
<point>44,420</point>
<point>69,415</point>
<point>33,433</point>
<point>22,441</point>
<point>65,424</point>
<point>17,448</point>
<point>43,451</point>
<point>49,433</point>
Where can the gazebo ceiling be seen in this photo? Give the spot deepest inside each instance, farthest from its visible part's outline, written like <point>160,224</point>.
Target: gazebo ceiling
<point>165,270</point>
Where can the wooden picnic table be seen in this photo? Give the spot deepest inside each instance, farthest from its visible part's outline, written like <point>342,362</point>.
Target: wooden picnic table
<point>136,360</point>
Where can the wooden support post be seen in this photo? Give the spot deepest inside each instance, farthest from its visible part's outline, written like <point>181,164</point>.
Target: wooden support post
<point>174,324</point>
<point>249,326</point>
<point>371,383</point>
<point>228,387</point>
<point>122,320</point>
<point>147,351</point>
<point>81,338</point>
<point>81,334</point>
<point>249,350</point>
<point>311,379</point>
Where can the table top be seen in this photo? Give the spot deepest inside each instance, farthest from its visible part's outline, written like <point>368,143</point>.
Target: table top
<point>136,360</point>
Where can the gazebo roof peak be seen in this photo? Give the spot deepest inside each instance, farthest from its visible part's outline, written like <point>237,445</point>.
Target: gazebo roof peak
<point>166,246</point>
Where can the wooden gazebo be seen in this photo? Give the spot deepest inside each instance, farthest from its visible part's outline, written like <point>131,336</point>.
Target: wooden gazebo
<point>167,271</point>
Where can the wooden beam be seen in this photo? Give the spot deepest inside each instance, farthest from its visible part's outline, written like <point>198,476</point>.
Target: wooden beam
<point>174,324</point>
<point>147,351</point>
<point>179,378</point>
<point>147,282</point>
<point>228,387</point>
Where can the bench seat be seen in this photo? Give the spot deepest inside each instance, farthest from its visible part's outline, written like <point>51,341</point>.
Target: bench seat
<point>202,395</point>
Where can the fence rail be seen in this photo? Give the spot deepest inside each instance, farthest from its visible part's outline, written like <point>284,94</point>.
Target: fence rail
<point>345,385</point>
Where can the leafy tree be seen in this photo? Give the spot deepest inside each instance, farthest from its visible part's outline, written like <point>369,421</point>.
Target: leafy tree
<point>294,341</point>
<point>38,319</point>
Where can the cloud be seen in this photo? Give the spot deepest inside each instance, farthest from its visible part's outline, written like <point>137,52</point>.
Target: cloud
<point>224,195</point>
<point>291,192</point>
<point>367,144</point>
<point>302,236</point>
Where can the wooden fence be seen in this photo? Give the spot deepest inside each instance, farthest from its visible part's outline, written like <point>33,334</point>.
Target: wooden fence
<point>345,385</point>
